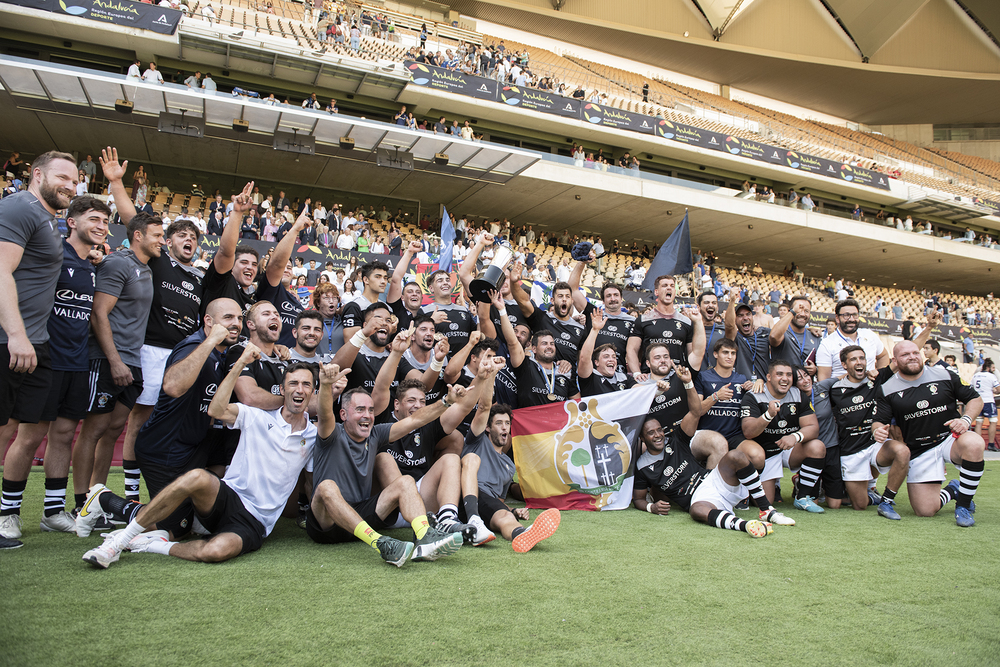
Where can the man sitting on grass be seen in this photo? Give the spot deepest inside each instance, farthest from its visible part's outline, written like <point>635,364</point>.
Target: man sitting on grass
<point>487,472</point>
<point>670,472</point>
<point>242,508</point>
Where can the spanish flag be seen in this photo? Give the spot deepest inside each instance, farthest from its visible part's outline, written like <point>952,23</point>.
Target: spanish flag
<point>578,455</point>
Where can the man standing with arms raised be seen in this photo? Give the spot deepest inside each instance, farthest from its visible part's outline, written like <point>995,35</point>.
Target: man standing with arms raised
<point>682,332</point>
<point>66,403</point>
<point>233,270</point>
<point>458,324</point>
<point>273,285</point>
<point>791,338</point>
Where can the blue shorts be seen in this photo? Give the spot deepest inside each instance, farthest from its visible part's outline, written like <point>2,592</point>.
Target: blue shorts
<point>989,411</point>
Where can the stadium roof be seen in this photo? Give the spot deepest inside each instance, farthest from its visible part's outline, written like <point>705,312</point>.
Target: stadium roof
<point>878,62</point>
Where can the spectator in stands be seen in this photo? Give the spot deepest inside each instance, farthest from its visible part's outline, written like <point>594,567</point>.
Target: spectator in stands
<point>151,75</point>
<point>467,131</point>
<point>793,198</point>
<point>208,84</point>
<point>310,102</point>
<point>355,37</point>
<point>856,213</point>
<point>968,348</point>
<point>193,81</point>
<point>807,202</point>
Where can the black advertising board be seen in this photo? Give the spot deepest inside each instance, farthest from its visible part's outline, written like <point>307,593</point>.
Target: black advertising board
<point>116,12</point>
<point>539,100</point>
<point>599,114</point>
<point>449,81</point>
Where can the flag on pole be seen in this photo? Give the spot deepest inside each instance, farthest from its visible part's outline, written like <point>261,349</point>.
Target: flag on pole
<point>674,257</point>
<point>447,241</point>
<point>578,454</point>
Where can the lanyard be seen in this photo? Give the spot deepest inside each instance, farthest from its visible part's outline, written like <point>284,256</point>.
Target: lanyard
<point>848,340</point>
<point>708,345</point>
<point>802,345</point>
<point>753,362</point>
<point>329,338</point>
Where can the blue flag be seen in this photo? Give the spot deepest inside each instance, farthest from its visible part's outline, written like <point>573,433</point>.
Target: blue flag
<point>674,257</point>
<point>448,241</point>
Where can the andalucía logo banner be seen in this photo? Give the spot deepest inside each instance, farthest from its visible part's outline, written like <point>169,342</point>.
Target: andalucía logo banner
<point>579,454</point>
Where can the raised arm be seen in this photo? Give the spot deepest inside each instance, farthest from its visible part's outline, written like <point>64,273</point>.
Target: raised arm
<point>381,392</point>
<point>225,256</point>
<point>730,317</point>
<point>517,292</point>
<point>178,378</point>
<point>426,414</point>
<point>482,418</point>
<point>114,172</point>
<point>454,415</point>
<point>349,351</point>
<point>283,251</point>
<point>220,408</point>
<point>579,298</point>
<point>696,348</point>
<point>777,335</point>
<point>395,291</point>
<point>467,271</point>
<point>455,364</point>
<point>585,362</point>
<point>332,381</point>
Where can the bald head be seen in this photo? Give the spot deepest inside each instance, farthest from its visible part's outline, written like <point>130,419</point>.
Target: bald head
<point>225,313</point>
<point>907,357</point>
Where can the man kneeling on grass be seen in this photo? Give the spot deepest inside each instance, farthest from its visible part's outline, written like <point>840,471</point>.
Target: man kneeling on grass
<point>671,473</point>
<point>242,508</point>
<point>487,473</point>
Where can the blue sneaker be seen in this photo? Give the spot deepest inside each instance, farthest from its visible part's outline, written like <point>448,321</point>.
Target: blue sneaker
<point>953,488</point>
<point>808,505</point>
<point>963,517</point>
<point>873,497</point>
<point>887,509</point>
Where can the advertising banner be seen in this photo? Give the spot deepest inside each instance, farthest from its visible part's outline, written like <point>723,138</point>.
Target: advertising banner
<point>116,12</point>
<point>623,120</point>
<point>540,100</point>
<point>440,78</point>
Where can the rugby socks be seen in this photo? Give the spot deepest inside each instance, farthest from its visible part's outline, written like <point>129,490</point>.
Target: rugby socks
<point>969,474</point>
<point>78,500</point>
<point>517,531</point>
<point>751,480</point>
<point>367,534</point>
<point>809,477</point>
<point>726,520</point>
<point>119,508</point>
<point>471,506</point>
<point>889,495</point>
<point>132,474</point>
<point>55,495</point>
<point>447,515</point>
<point>160,547</point>
<point>420,526</point>
<point>13,493</point>
<point>129,532</point>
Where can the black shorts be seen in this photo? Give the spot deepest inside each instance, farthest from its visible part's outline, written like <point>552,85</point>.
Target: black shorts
<point>230,515</point>
<point>158,477</point>
<point>22,395</point>
<point>221,444</point>
<point>68,396</point>
<point>489,505</point>
<point>335,534</point>
<point>105,394</point>
<point>832,475</point>
<point>735,440</point>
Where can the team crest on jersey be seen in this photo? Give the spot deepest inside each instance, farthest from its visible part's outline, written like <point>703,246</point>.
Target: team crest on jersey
<point>922,404</point>
<point>668,449</point>
<point>416,441</point>
<point>933,389</point>
<point>791,409</point>
<point>138,273</point>
<point>677,325</point>
<point>102,400</point>
<point>871,385</point>
<point>592,456</point>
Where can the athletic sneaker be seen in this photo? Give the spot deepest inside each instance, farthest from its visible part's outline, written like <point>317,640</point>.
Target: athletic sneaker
<point>743,504</point>
<point>104,555</point>
<point>91,512</point>
<point>436,543</point>
<point>482,534</point>
<point>963,517</point>
<point>140,543</point>
<point>807,504</point>
<point>887,508</point>
<point>873,497</point>
<point>774,516</point>
<point>63,522</point>
<point>10,526</point>
<point>7,543</point>
<point>544,526</point>
<point>758,528</point>
<point>393,551</point>
<point>953,487</point>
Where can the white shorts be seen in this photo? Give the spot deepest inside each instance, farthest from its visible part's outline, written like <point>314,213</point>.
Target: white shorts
<point>857,467</point>
<point>717,493</point>
<point>154,364</point>
<point>400,521</point>
<point>929,466</point>
<point>774,465</point>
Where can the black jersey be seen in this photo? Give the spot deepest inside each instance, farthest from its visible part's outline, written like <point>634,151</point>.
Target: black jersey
<point>596,383</point>
<point>177,296</point>
<point>922,406</point>
<point>288,306</point>
<point>675,471</point>
<point>364,372</point>
<point>670,407</point>
<point>69,323</point>
<point>266,371</point>
<point>404,316</point>
<point>512,312</point>
<point>794,405</point>
<point>851,407</point>
<point>674,331</point>
<point>353,314</point>
<point>753,354</point>
<point>541,386</point>
<point>568,335</point>
<point>796,347</point>
<point>616,331</point>
<point>409,363</point>
<point>215,285</point>
<point>458,326</point>
<point>414,452</point>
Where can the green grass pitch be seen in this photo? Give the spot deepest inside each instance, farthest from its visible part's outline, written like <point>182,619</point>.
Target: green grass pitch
<point>618,588</point>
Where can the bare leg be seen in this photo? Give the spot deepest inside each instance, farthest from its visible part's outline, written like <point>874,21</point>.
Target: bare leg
<point>221,547</point>
<point>93,429</point>
<point>443,483</point>
<point>59,449</point>
<point>504,523</point>
<point>105,449</point>
<point>136,418</point>
<point>17,464</point>
<point>710,447</point>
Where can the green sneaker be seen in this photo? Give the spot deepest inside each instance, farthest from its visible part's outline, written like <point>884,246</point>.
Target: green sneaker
<point>393,551</point>
<point>436,543</point>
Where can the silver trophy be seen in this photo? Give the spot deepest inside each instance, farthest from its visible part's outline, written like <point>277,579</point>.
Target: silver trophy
<point>493,276</point>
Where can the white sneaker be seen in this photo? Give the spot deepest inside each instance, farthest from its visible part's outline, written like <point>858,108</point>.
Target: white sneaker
<point>91,511</point>
<point>776,517</point>
<point>10,526</point>
<point>140,543</point>
<point>63,522</point>
<point>483,534</point>
<point>104,555</point>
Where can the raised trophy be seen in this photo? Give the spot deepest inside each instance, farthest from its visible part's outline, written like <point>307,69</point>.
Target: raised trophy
<point>493,276</point>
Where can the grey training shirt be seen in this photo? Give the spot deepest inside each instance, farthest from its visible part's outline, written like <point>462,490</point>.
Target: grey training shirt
<point>122,275</point>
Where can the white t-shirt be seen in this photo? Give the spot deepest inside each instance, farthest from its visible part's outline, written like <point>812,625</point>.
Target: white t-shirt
<point>133,72</point>
<point>152,76</point>
<point>984,383</point>
<point>267,462</point>
<point>828,352</point>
